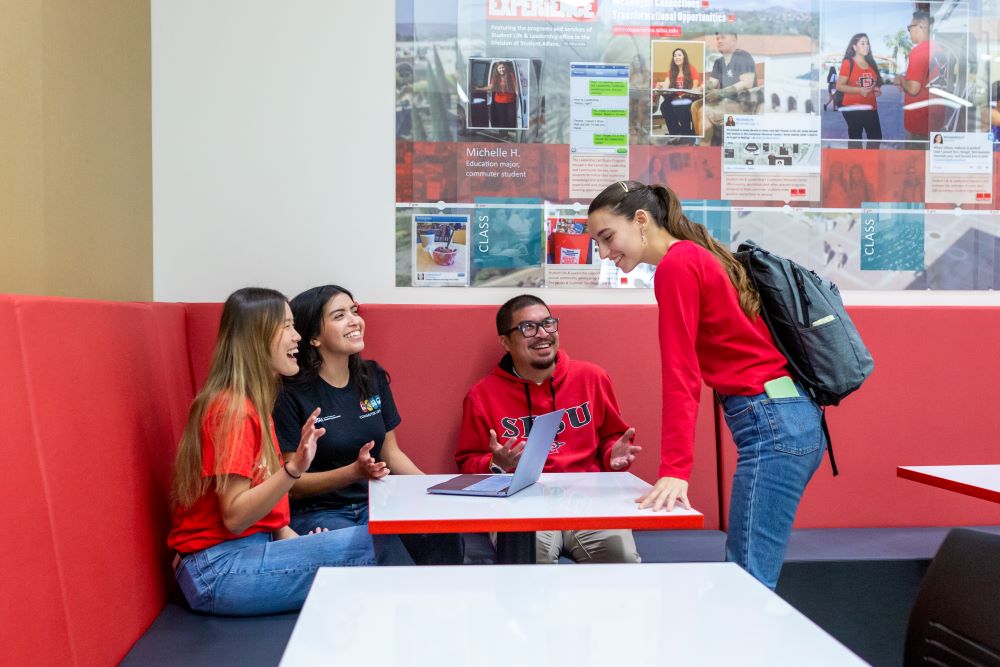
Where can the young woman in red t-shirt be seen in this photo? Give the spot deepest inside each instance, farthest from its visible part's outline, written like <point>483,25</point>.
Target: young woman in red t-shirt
<point>861,84</point>
<point>710,330</point>
<point>236,552</point>
<point>675,106</point>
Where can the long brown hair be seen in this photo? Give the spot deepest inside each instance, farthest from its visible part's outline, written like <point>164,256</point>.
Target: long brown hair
<point>506,82</point>
<point>240,378</point>
<point>852,51</point>
<point>626,197</point>
<point>685,68</point>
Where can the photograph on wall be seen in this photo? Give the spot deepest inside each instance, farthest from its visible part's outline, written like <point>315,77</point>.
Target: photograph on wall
<point>962,252</point>
<point>498,94</point>
<point>894,73</point>
<point>571,256</point>
<point>440,250</point>
<point>892,236</point>
<point>691,171</point>
<point>760,73</point>
<point>734,82</point>
<point>863,52</point>
<point>507,242</point>
<point>850,177</point>
<point>677,84</point>
<point>828,243</point>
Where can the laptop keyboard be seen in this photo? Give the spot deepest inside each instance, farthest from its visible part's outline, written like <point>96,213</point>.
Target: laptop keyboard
<point>495,483</point>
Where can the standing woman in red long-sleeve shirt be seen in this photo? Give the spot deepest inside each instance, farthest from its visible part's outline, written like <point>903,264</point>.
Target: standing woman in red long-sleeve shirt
<point>710,329</point>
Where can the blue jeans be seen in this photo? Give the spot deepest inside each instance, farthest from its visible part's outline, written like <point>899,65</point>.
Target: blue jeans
<point>257,575</point>
<point>442,549</point>
<point>780,444</point>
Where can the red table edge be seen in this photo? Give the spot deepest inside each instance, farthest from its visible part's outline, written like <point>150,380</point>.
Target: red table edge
<point>948,484</point>
<point>661,522</point>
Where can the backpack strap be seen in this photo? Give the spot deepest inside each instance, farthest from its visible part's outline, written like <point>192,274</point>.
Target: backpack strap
<point>850,71</point>
<point>829,443</point>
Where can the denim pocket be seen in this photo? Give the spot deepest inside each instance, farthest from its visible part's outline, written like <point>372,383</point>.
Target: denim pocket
<point>734,407</point>
<point>196,582</point>
<point>795,424</point>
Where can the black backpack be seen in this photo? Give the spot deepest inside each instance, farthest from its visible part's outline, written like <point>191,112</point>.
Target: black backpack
<point>838,97</point>
<point>810,326</point>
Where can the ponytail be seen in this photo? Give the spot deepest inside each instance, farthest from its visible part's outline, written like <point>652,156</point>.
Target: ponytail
<point>627,197</point>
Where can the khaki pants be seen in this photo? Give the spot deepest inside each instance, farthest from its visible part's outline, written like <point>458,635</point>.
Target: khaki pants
<point>586,546</point>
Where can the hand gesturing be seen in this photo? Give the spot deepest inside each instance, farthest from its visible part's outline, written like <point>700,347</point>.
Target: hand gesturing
<point>367,466</point>
<point>507,454</point>
<point>623,452</point>
<point>300,459</point>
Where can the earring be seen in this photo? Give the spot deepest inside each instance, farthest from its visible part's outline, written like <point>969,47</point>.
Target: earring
<point>642,233</point>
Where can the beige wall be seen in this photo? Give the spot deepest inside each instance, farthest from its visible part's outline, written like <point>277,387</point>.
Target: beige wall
<point>75,136</point>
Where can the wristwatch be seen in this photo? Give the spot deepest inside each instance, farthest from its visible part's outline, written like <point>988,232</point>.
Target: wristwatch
<point>495,469</point>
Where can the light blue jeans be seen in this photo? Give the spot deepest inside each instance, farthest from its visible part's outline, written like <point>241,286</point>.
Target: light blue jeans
<point>780,444</point>
<point>419,549</point>
<point>308,518</point>
<point>389,550</point>
<point>257,575</point>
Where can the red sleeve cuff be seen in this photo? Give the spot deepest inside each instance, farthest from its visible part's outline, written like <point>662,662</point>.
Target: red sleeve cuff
<point>674,471</point>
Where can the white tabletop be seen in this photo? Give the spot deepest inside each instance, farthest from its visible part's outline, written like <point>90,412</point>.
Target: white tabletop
<point>981,481</point>
<point>524,615</point>
<point>558,501</point>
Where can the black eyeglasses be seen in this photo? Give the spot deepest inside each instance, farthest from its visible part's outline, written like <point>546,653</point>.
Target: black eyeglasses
<point>529,329</point>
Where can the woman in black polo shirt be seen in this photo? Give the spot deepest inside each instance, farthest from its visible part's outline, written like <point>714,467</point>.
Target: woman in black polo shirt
<point>360,418</point>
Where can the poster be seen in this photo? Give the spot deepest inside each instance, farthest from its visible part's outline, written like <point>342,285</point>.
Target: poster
<point>440,250</point>
<point>784,122</point>
<point>571,255</point>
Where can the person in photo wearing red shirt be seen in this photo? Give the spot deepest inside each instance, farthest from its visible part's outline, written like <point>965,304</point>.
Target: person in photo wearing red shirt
<point>680,89</point>
<point>236,554</point>
<point>861,83</point>
<point>504,86</point>
<point>918,75</point>
<point>535,377</point>
<point>710,330</point>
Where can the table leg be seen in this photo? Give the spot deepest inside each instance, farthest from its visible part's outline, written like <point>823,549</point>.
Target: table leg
<point>516,548</point>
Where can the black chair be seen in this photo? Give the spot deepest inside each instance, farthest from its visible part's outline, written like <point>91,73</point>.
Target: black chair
<point>956,617</point>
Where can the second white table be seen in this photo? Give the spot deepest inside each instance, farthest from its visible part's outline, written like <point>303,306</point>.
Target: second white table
<point>517,616</point>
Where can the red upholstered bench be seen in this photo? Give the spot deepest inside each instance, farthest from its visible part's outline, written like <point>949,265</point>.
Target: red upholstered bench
<point>94,396</point>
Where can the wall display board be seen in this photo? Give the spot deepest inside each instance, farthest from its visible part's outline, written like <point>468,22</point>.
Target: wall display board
<point>859,138</point>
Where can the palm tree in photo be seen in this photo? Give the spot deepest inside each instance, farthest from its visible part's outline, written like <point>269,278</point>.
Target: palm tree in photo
<point>896,43</point>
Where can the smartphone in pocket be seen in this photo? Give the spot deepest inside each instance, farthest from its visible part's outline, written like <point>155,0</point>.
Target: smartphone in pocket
<point>783,387</point>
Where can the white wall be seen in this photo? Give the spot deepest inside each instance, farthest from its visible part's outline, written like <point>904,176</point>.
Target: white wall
<point>274,156</point>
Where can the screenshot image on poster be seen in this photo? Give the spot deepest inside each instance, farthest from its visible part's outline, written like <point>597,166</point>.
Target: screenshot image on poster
<point>598,139</point>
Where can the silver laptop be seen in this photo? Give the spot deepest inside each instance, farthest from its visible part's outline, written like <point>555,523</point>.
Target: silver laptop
<point>529,466</point>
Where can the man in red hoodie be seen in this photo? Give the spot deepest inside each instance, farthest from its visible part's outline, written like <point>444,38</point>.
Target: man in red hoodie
<point>534,378</point>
